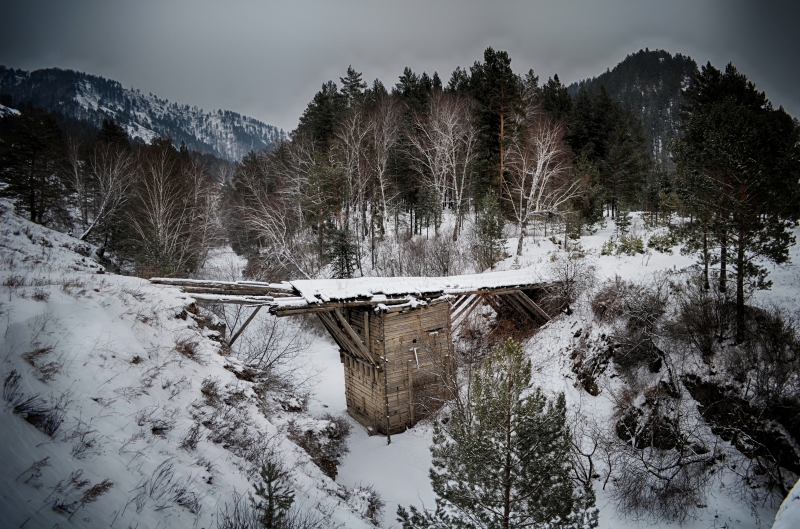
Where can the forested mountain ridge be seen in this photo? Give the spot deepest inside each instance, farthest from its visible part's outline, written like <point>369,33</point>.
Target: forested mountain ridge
<point>90,98</point>
<point>649,84</point>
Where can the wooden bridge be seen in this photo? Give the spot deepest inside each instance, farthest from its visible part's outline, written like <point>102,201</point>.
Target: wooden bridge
<point>394,333</point>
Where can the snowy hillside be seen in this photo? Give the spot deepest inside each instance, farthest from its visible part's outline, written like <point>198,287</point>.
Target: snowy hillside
<point>77,95</point>
<point>121,408</point>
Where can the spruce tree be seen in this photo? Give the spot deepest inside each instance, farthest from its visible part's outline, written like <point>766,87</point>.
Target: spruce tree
<point>739,159</point>
<point>504,462</point>
<point>32,156</point>
<point>275,497</point>
<point>498,99</point>
<point>489,231</point>
<point>342,253</point>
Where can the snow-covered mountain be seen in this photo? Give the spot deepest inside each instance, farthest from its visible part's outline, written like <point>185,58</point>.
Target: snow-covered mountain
<point>91,98</point>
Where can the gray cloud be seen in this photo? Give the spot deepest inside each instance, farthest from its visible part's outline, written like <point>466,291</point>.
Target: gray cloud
<point>267,59</point>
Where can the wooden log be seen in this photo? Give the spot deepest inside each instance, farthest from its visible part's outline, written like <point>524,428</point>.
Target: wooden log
<point>244,326</point>
<point>462,316</point>
<point>354,338</point>
<point>536,309</point>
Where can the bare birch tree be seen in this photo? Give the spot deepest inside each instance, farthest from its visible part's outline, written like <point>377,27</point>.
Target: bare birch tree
<point>444,146</point>
<point>162,215</point>
<point>111,171</point>
<point>540,181</point>
<point>385,131</point>
<point>349,154</point>
<point>279,217</point>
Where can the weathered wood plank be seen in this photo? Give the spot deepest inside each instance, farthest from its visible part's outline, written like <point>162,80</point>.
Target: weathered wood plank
<point>536,309</point>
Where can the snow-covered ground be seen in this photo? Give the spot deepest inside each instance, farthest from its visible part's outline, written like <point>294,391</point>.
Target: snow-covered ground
<point>123,364</point>
<point>116,368</point>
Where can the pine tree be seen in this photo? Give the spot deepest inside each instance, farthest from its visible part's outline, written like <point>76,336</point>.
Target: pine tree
<point>740,160</point>
<point>489,231</point>
<point>504,462</point>
<point>276,497</point>
<point>32,156</point>
<point>498,98</point>
<point>352,87</point>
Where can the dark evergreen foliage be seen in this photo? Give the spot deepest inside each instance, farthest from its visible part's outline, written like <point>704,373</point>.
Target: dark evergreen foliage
<point>648,83</point>
<point>498,102</point>
<point>504,462</point>
<point>739,163</point>
<point>32,156</point>
<point>273,497</point>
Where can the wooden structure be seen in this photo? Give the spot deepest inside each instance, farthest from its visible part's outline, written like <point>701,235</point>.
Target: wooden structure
<point>394,334</point>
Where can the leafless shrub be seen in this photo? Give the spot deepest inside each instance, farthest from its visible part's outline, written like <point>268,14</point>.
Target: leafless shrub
<point>189,348</point>
<point>275,346</point>
<point>771,351</point>
<point>45,414</point>
<point>607,303</point>
<point>35,470</point>
<point>705,318</point>
<point>326,446</point>
<point>191,438</point>
<point>665,458</point>
<point>40,294</point>
<point>371,503</point>
<point>571,274</point>
<point>641,328</point>
<point>210,388</point>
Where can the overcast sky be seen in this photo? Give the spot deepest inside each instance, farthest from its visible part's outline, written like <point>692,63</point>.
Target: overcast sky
<point>267,59</point>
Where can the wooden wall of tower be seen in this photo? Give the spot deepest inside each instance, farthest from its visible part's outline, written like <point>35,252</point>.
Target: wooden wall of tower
<point>418,355</point>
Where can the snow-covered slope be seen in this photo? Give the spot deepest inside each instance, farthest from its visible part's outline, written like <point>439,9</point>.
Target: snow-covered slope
<point>80,96</point>
<point>131,372</point>
<point>121,409</point>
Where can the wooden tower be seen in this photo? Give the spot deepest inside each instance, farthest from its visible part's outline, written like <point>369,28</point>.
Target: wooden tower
<point>394,334</point>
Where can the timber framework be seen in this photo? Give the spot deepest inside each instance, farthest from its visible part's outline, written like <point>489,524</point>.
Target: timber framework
<point>393,333</point>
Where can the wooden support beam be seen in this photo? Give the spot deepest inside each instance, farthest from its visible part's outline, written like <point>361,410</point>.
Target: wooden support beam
<point>356,339</point>
<point>244,325</point>
<point>461,317</point>
<point>460,301</point>
<point>366,328</point>
<point>514,302</point>
<point>343,339</point>
<point>335,332</point>
<point>536,309</point>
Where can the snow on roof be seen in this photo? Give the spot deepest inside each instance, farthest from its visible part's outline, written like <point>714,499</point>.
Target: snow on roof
<point>324,290</point>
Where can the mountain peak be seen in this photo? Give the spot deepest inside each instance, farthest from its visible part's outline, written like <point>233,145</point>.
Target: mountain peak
<point>91,98</point>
